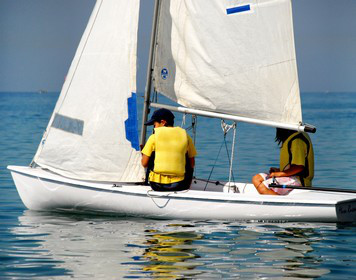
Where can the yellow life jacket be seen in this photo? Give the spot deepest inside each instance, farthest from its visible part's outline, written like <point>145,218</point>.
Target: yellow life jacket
<point>298,150</point>
<point>171,144</point>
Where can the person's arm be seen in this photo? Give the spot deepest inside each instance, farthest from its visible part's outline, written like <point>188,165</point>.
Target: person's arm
<point>273,169</point>
<point>144,161</point>
<point>192,152</point>
<point>147,151</point>
<point>192,162</point>
<point>293,170</point>
<point>298,150</point>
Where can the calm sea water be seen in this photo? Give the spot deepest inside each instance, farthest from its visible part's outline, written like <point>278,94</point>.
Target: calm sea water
<point>37,245</point>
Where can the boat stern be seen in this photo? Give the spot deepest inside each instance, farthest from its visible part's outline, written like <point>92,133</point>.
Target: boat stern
<point>346,211</point>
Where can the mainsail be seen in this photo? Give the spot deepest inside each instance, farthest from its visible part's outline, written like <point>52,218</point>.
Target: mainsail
<point>229,56</point>
<point>92,134</point>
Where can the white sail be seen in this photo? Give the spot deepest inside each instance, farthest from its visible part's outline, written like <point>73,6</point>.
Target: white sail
<point>92,134</point>
<point>229,56</point>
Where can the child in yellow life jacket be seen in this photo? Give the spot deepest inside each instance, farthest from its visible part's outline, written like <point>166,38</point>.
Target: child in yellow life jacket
<point>172,147</point>
<point>296,164</point>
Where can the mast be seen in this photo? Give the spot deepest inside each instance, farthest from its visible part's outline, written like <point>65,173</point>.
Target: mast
<point>146,103</point>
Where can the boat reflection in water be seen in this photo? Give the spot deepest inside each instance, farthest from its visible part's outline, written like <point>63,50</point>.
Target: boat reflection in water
<point>168,253</point>
<point>215,250</point>
<point>117,248</point>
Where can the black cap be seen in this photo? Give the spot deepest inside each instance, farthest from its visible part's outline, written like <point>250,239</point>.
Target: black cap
<point>161,114</point>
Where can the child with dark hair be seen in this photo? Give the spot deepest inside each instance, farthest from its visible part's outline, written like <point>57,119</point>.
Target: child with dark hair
<point>296,166</point>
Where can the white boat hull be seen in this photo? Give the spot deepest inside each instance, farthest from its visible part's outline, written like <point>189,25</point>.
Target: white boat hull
<point>44,191</point>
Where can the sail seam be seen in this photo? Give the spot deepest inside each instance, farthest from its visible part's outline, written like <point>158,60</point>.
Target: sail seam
<point>277,63</point>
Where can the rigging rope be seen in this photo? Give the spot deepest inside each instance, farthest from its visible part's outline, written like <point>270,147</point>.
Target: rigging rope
<point>183,120</point>
<point>232,154</point>
<point>211,172</point>
<point>226,128</point>
<point>193,127</point>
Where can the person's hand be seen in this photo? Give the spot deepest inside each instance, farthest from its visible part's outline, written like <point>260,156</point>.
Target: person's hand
<point>273,169</point>
<point>276,174</point>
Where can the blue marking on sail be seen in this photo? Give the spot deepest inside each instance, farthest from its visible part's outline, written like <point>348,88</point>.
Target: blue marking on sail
<point>131,124</point>
<point>238,9</point>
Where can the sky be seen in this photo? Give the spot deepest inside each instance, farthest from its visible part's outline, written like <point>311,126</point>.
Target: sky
<point>38,39</point>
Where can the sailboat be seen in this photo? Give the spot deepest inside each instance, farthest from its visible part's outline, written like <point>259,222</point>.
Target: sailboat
<point>216,58</point>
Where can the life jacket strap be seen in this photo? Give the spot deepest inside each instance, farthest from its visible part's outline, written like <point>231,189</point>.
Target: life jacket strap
<point>305,172</point>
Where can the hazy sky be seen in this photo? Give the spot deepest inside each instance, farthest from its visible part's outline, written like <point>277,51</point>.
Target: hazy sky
<point>38,39</point>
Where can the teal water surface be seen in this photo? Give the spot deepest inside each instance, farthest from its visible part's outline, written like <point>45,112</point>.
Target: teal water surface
<point>37,245</point>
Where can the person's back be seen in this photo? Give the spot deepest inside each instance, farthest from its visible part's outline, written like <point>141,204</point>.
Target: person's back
<point>297,149</point>
<point>171,146</point>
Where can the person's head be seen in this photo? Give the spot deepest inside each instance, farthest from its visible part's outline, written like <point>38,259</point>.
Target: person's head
<point>282,135</point>
<point>161,117</point>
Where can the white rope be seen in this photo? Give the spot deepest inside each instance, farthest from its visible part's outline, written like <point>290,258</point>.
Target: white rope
<point>226,127</point>
<point>183,120</point>
<point>232,153</point>
<point>194,126</point>
<point>165,195</point>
